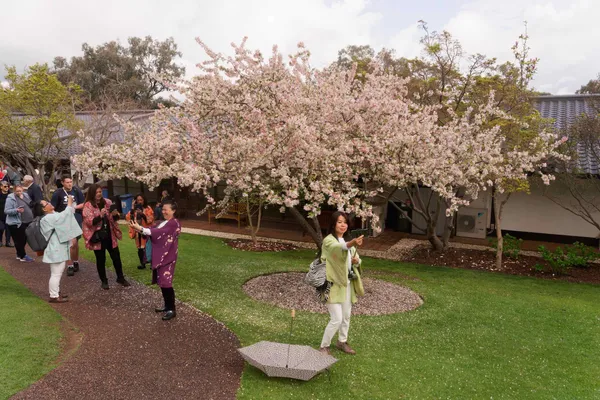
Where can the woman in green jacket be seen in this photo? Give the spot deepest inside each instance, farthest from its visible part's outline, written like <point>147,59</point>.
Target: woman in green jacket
<point>342,268</point>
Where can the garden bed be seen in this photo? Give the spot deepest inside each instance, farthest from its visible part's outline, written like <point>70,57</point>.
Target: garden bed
<point>486,261</point>
<point>288,290</point>
<point>259,246</point>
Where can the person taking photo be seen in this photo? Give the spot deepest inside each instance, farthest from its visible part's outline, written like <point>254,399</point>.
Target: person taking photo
<point>165,248</point>
<point>18,217</point>
<point>59,201</point>
<point>59,229</point>
<point>344,283</point>
<point>143,215</point>
<point>102,234</point>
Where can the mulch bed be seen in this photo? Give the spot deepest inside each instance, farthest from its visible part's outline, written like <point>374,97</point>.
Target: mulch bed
<point>123,350</point>
<point>260,246</point>
<point>288,290</point>
<point>486,261</point>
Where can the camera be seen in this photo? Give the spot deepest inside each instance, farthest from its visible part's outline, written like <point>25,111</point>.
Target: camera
<point>140,215</point>
<point>351,275</point>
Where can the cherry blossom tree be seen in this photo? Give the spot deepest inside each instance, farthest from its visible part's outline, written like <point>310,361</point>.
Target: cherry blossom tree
<point>276,131</point>
<point>286,134</point>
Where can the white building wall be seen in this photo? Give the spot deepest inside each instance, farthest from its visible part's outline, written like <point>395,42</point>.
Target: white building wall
<point>536,213</point>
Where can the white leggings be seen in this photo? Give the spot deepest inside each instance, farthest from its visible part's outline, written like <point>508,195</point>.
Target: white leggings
<point>340,320</point>
<point>56,271</point>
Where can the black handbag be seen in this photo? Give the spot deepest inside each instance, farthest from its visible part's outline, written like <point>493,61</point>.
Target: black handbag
<point>101,234</point>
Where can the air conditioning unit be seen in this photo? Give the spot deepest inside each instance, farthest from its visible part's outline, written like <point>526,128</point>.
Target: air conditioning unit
<point>471,222</point>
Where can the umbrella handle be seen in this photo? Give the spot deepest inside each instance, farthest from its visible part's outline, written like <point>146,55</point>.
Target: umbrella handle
<point>290,339</point>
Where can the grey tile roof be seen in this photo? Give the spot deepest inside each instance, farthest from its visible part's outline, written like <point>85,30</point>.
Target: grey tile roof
<point>564,110</point>
<point>91,119</point>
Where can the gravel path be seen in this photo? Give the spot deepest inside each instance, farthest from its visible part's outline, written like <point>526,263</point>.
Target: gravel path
<point>288,290</point>
<point>126,351</point>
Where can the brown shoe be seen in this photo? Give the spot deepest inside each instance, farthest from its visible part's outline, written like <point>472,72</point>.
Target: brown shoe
<point>325,350</point>
<point>57,300</point>
<point>345,348</point>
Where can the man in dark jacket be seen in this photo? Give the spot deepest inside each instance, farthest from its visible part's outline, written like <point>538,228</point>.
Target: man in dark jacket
<point>33,189</point>
<point>4,191</point>
<point>59,202</point>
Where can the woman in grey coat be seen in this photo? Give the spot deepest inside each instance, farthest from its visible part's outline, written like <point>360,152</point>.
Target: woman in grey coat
<point>18,216</point>
<point>59,229</point>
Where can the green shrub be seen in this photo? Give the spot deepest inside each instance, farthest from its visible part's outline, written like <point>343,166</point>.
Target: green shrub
<point>580,255</point>
<point>577,255</point>
<point>538,267</point>
<point>557,260</point>
<point>511,246</point>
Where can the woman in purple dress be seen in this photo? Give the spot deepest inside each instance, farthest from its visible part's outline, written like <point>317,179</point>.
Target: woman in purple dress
<point>164,238</point>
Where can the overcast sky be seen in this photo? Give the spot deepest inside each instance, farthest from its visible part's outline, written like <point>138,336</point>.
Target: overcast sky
<point>563,32</point>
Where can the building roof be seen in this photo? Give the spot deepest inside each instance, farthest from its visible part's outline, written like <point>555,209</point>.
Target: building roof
<point>564,110</point>
<point>94,120</point>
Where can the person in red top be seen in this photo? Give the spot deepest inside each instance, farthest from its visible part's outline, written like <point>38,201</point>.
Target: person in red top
<point>101,233</point>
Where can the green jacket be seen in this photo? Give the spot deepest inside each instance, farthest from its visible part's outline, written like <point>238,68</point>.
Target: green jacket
<point>337,271</point>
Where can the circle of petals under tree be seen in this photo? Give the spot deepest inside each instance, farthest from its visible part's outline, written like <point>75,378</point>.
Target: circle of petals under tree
<point>288,290</point>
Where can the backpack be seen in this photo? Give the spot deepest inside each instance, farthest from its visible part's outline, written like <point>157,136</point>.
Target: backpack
<point>35,238</point>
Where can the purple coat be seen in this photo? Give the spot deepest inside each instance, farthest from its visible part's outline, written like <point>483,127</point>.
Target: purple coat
<point>164,252</point>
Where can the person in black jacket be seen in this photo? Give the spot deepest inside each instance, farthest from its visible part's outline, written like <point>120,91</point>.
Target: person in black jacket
<point>33,189</point>
<point>4,192</point>
<point>164,198</point>
<point>59,202</point>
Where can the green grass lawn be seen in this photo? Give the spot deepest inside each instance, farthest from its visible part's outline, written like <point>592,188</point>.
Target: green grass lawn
<point>478,335</point>
<point>29,336</point>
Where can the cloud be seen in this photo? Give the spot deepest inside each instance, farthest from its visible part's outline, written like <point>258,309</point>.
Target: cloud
<point>406,42</point>
<point>40,30</point>
<point>562,35</point>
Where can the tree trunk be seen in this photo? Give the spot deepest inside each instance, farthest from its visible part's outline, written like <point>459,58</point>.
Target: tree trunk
<point>500,241</point>
<point>250,223</point>
<point>498,206</point>
<point>418,205</point>
<point>448,228</point>
<point>254,230</point>
<point>435,241</point>
<point>315,234</point>
<point>432,236</point>
<point>39,179</point>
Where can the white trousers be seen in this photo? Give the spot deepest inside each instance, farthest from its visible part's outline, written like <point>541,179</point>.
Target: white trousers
<point>339,320</point>
<point>56,271</point>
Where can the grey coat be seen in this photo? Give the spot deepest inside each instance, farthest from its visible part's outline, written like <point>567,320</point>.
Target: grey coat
<point>13,217</point>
